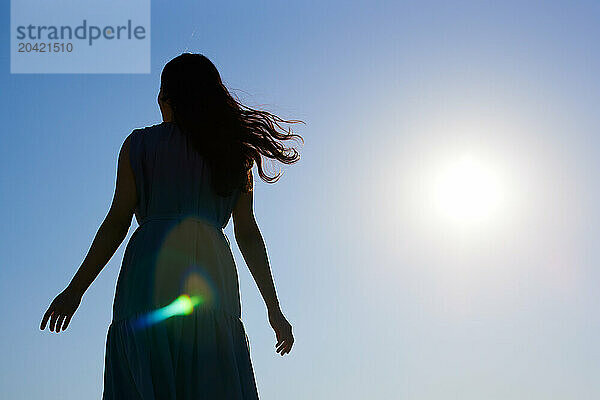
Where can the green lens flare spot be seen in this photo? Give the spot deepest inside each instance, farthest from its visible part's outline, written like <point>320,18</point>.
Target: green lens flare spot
<point>183,305</point>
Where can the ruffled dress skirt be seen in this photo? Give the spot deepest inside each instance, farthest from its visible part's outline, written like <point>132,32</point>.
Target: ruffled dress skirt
<point>176,331</point>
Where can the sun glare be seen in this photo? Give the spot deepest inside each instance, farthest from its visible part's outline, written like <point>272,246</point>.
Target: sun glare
<point>467,191</point>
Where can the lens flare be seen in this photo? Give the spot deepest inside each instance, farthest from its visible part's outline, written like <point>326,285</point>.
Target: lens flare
<point>183,305</point>
<point>182,266</point>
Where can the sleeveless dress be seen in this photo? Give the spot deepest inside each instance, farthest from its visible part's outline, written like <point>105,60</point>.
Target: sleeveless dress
<point>176,331</point>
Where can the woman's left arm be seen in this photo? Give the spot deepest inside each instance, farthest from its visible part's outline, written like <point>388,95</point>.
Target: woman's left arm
<point>110,235</point>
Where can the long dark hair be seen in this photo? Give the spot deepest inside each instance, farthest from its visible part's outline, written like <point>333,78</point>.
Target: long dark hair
<point>230,135</point>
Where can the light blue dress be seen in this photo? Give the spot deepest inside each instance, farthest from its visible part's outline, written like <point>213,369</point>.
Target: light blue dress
<point>176,331</point>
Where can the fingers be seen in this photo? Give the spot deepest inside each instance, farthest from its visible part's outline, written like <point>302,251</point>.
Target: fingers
<point>289,347</point>
<point>60,311</point>
<point>283,332</point>
<point>281,347</point>
<point>59,322</point>
<point>53,320</point>
<point>67,320</point>
<point>284,346</point>
<point>45,318</point>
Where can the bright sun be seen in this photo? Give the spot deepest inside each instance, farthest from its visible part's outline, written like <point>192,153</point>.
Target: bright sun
<point>467,191</point>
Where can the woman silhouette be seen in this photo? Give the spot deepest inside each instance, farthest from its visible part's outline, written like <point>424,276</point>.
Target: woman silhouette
<point>176,331</point>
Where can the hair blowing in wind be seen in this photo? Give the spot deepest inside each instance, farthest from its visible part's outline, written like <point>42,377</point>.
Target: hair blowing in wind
<point>230,135</point>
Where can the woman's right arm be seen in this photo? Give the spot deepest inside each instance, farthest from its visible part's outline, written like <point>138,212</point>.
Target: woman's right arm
<point>253,249</point>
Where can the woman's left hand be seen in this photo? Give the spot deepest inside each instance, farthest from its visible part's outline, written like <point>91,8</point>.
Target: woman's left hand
<point>61,310</point>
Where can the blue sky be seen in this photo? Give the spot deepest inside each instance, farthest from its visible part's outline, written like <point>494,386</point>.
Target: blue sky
<point>388,299</point>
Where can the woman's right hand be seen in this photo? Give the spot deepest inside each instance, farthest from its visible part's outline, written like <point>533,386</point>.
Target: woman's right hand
<point>283,331</point>
<point>61,310</point>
